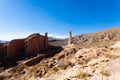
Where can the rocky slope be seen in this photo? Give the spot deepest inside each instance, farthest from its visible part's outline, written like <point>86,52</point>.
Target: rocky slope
<point>93,39</point>
<point>96,58</point>
<point>72,63</point>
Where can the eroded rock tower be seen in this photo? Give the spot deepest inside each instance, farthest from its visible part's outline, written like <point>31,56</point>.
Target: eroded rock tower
<point>70,41</point>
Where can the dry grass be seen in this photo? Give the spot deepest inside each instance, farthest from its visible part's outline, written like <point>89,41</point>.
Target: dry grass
<point>69,67</point>
<point>94,63</point>
<point>110,55</point>
<point>53,70</point>
<point>92,69</point>
<point>84,65</point>
<point>105,72</point>
<point>81,75</point>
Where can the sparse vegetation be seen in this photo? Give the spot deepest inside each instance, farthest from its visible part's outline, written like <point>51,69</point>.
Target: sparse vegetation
<point>53,70</point>
<point>81,75</point>
<point>112,56</point>
<point>92,55</point>
<point>105,72</point>
<point>92,69</point>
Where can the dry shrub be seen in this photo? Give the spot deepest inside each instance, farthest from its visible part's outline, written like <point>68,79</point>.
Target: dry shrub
<point>84,65</point>
<point>110,55</point>
<point>82,75</point>
<point>92,69</point>
<point>53,70</point>
<point>105,72</point>
<point>69,67</point>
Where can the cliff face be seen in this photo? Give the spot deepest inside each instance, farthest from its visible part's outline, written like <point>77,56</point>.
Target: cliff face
<point>16,48</point>
<point>34,44</point>
<point>3,50</point>
<point>28,46</point>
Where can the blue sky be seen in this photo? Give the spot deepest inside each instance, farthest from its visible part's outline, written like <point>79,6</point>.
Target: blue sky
<point>19,18</point>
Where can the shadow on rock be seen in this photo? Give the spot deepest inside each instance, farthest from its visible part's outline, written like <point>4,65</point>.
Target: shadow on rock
<point>31,59</point>
<point>49,52</point>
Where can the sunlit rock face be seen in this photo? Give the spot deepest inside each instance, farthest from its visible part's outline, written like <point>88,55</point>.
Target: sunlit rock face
<point>28,46</point>
<point>34,43</point>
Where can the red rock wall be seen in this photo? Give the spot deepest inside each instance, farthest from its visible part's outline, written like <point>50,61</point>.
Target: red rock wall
<point>15,48</point>
<point>34,44</point>
<point>41,44</point>
<point>3,50</point>
<point>29,46</point>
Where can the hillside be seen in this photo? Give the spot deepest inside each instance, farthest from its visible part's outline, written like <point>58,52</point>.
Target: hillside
<point>93,39</point>
<point>93,56</point>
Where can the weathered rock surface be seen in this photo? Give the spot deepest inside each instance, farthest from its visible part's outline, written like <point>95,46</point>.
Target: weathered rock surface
<point>34,43</point>
<point>28,46</point>
<point>70,41</point>
<point>72,63</point>
<point>98,62</point>
<point>16,48</point>
<point>3,50</point>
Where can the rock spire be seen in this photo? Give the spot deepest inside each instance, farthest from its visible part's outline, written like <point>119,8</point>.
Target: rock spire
<point>70,41</point>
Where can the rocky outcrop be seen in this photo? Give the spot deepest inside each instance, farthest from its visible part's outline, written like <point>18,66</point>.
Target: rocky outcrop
<point>28,46</point>
<point>46,41</point>
<point>70,41</point>
<point>34,43</point>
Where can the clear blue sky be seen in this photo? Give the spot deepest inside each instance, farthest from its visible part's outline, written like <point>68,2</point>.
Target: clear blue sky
<point>19,18</point>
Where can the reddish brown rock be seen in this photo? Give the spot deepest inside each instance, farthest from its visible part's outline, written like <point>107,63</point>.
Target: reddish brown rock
<point>28,46</point>
<point>46,42</point>
<point>3,50</point>
<point>15,48</point>
<point>35,43</point>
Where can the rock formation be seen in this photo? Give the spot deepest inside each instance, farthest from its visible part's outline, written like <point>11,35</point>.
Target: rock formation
<point>28,46</point>
<point>15,48</point>
<point>46,42</point>
<point>70,41</point>
<point>3,50</point>
<point>34,43</point>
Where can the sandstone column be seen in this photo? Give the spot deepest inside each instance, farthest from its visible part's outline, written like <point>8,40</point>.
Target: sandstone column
<point>70,41</point>
<point>46,43</point>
